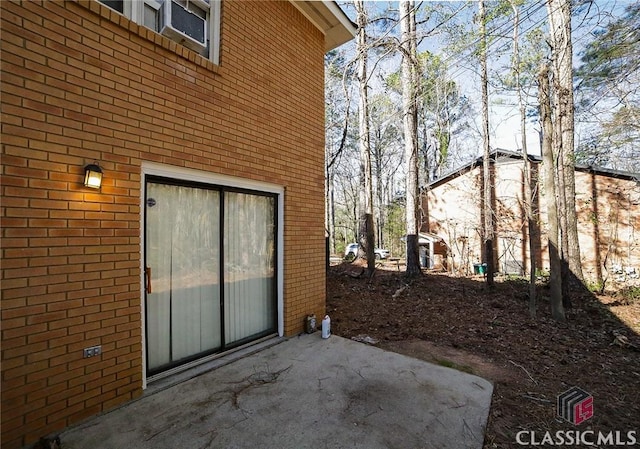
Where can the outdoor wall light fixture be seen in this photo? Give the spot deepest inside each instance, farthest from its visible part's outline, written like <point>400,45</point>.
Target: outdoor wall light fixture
<point>93,176</point>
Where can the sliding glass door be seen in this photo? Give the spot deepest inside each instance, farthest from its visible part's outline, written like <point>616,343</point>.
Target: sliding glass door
<point>249,259</point>
<point>210,270</point>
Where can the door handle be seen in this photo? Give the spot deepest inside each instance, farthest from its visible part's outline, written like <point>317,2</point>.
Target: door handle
<point>147,272</point>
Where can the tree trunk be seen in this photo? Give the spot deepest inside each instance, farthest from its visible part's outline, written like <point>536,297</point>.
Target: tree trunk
<point>555,280</point>
<point>367,233</point>
<point>528,188</point>
<point>409,85</point>
<point>380,200</point>
<point>561,191</point>
<point>559,12</point>
<point>488,234</point>
<point>331,211</point>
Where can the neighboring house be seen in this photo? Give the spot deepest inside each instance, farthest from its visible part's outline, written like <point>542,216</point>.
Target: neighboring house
<point>208,231</point>
<point>608,208</point>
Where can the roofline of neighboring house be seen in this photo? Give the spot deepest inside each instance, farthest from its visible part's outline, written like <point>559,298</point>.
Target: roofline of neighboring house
<point>499,152</point>
<point>329,18</point>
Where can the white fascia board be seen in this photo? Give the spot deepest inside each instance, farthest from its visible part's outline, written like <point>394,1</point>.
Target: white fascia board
<point>329,18</point>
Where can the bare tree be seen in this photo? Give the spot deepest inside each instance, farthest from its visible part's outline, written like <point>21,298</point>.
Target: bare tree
<point>338,73</point>
<point>486,159</point>
<point>555,268</point>
<point>408,47</point>
<point>559,12</point>
<point>367,233</point>
<point>532,225</point>
<point>386,159</point>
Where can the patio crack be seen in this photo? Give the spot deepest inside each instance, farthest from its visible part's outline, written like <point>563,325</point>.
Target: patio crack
<point>258,378</point>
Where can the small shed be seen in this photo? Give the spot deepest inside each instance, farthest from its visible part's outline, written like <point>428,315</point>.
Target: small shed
<point>433,251</point>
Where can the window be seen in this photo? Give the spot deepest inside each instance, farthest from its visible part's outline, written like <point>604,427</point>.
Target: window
<point>151,15</point>
<point>194,24</point>
<point>118,5</point>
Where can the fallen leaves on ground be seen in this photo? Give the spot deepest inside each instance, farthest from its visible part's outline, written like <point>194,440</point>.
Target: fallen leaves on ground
<point>463,324</point>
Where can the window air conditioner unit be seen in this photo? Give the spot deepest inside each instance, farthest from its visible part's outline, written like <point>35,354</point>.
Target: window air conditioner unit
<point>185,22</point>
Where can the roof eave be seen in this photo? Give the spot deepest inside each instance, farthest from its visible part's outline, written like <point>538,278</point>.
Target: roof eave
<point>329,18</point>
<point>479,161</point>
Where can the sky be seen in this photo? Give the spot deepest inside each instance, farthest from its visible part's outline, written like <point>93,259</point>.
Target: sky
<point>504,112</point>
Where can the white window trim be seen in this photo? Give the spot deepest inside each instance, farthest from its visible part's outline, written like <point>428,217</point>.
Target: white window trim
<point>137,9</point>
<point>186,174</point>
<point>214,31</point>
<point>134,10</point>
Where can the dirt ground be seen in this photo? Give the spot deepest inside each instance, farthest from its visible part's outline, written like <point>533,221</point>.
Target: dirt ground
<point>462,324</point>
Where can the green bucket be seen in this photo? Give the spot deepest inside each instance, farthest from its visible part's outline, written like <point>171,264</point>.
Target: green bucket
<point>479,268</point>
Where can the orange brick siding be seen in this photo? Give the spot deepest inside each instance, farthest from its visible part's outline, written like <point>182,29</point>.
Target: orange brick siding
<point>80,83</point>
<point>608,210</point>
<point>608,225</point>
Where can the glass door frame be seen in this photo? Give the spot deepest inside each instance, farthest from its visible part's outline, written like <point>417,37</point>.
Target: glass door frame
<point>182,176</point>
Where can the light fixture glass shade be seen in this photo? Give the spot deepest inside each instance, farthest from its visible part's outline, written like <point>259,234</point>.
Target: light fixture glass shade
<point>92,176</point>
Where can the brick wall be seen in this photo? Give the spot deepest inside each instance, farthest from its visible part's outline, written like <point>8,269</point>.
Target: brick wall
<point>81,83</point>
<point>608,211</point>
<point>608,225</point>
<point>455,215</point>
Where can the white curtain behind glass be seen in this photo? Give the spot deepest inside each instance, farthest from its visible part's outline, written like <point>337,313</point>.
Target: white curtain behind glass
<point>183,310</point>
<point>249,255</point>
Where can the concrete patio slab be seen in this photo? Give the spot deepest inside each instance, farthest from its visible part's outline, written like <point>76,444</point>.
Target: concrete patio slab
<point>305,392</point>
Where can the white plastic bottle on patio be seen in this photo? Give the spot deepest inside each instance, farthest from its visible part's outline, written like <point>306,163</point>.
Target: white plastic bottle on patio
<point>326,327</point>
